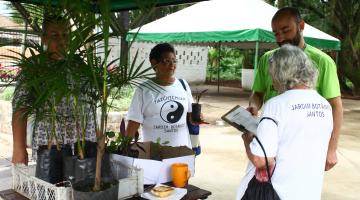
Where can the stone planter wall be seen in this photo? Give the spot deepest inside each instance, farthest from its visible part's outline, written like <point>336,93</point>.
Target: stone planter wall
<point>114,118</point>
<point>247,78</point>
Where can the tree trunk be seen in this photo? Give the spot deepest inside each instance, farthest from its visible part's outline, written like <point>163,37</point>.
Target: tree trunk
<point>99,156</point>
<point>124,46</point>
<point>356,90</point>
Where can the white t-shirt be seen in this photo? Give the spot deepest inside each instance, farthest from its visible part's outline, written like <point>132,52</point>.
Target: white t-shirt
<point>163,114</point>
<point>299,142</point>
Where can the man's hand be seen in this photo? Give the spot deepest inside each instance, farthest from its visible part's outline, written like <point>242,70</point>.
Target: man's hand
<point>331,160</point>
<point>337,110</point>
<point>255,102</point>
<point>20,155</point>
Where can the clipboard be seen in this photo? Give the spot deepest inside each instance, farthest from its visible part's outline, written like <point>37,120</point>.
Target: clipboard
<point>241,119</point>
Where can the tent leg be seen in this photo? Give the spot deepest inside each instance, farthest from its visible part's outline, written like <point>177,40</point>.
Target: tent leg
<point>218,69</point>
<point>256,57</point>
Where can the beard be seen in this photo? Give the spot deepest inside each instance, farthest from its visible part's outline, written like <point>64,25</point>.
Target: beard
<point>294,41</point>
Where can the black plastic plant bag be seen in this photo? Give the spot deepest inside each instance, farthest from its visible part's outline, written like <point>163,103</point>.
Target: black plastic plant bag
<point>49,166</point>
<point>82,190</point>
<point>76,170</point>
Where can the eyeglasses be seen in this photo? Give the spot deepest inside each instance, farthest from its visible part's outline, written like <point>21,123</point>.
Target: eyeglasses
<point>169,61</point>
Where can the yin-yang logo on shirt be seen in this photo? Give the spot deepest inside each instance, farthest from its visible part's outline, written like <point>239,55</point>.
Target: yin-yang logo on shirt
<point>171,111</point>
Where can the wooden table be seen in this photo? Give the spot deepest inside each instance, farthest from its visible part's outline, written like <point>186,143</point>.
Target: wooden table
<point>11,195</point>
<point>193,193</point>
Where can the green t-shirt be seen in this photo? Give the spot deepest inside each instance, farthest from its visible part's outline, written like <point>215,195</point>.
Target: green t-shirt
<point>327,83</point>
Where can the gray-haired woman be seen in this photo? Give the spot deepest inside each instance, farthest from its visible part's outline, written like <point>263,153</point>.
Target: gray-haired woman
<point>295,129</point>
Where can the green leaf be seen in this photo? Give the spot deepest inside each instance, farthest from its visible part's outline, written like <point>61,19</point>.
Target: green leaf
<point>110,134</point>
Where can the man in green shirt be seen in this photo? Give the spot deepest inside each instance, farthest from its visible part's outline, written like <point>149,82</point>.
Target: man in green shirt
<point>288,26</point>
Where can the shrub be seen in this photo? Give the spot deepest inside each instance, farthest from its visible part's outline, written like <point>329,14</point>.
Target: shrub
<point>7,94</point>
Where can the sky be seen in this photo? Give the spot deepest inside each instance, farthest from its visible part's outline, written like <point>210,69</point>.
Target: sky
<point>3,9</point>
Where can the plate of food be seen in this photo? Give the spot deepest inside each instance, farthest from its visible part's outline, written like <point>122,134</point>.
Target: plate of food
<point>164,192</point>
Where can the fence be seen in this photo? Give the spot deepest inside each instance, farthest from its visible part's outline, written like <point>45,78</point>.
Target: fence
<point>11,40</point>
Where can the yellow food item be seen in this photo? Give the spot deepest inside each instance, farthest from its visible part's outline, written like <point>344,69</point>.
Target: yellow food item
<point>162,191</point>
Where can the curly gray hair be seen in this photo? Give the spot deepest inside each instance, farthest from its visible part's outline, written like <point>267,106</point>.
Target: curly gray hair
<point>289,66</point>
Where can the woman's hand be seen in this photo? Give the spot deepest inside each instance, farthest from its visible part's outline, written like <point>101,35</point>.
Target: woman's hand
<point>197,123</point>
<point>247,137</point>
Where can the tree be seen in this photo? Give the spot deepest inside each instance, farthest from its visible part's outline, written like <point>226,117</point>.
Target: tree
<point>341,19</point>
<point>155,14</point>
<point>26,14</point>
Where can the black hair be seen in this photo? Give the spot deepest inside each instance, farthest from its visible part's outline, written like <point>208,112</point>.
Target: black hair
<point>159,49</point>
<point>53,19</point>
<point>291,11</point>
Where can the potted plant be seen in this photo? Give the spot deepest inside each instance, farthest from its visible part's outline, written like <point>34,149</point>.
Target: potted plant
<point>93,78</point>
<point>120,143</point>
<point>107,80</point>
<point>196,107</point>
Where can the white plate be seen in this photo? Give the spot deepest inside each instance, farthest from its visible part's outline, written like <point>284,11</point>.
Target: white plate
<point>176,195</point>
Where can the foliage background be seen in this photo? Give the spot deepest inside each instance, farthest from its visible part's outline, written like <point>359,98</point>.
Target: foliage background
<point>338,18</point>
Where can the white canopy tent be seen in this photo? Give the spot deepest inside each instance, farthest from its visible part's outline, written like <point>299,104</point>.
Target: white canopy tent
<point>237,23</point>
<point>244,22</point>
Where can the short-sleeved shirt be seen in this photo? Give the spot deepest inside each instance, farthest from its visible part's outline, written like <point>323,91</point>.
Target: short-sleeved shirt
<point>163,113</point>
<point>298,138</point>
<point>327,83</point>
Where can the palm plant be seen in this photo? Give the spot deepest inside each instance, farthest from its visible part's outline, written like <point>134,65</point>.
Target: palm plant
<point>85,82</point>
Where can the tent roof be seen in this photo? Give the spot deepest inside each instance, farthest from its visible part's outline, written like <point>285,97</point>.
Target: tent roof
<point>116,5</point>
<point>230,21</point>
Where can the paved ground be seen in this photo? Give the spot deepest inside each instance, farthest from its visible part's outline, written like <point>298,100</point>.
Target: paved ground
<point>5,164</point>
<point>221,165</point>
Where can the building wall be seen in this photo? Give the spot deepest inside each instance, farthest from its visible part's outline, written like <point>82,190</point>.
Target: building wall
<point>192,60</point>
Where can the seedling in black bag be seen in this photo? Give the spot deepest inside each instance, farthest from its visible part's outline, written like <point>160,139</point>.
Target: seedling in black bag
<point>196,107</point>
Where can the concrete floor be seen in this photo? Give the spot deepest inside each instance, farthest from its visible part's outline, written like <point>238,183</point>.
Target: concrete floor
<point>222,163</point>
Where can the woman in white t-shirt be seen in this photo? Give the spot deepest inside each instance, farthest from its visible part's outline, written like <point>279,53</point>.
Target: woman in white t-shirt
<point>162,112</point>
<point>295,130</point>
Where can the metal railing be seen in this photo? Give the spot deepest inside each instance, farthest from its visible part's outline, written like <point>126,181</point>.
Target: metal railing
<point>11,45</point>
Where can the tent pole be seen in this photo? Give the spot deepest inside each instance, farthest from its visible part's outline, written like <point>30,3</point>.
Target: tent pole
<point>256,57</point>
<point>218,70</point>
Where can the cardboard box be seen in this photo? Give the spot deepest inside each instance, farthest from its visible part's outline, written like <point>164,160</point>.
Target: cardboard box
<point>156,161</point>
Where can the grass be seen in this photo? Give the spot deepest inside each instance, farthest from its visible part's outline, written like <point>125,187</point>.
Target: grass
<point>7,94</point>
<point>122,102</point>
<point>225,74</point>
